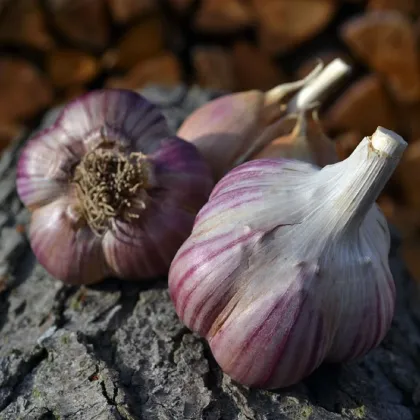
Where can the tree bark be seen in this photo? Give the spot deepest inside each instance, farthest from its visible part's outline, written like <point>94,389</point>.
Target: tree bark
<point>118,351</point>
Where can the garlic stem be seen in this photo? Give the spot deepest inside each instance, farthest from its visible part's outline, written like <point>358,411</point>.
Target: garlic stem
<point>312,88</point>
<point>388,143</point>
<point>319,87</point>
<point>358,180</point>
<point>276,94</point>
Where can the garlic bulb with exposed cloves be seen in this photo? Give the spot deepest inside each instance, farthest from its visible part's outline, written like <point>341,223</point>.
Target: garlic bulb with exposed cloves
<point>234,128</point>
<point>287,265</point>
<point>110,189</point>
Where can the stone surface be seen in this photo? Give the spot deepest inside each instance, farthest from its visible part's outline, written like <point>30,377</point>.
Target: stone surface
<point>118,350</point>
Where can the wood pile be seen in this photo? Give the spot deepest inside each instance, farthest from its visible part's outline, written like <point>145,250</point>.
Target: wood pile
<point>54,50</point>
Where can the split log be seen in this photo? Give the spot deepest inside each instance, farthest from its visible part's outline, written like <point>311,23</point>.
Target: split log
<point>71,67</point>
<point>71,92</point>
<point>386,42</point>
<point>8,132</point>
<point>141,42</point>
<point>346,142</point>
<point>408,174</point>
<point>362,107</point>
<point>125,11</point>
<point>25,91</point>
<point>285,24</point>
<point>181,6</point>
<point>223,16</point>
<point>118,351</point>
<point>214,68</point>
<point>409,121</point>
<point>163,69</point>
<point>253,69</point>
<point>23,23</point>
<point>82,22</point>
<point>411,254</point>
<point>405,219</point>
<point>409,7</point>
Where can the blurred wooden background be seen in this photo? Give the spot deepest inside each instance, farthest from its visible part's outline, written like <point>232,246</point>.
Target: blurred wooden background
<point>54,50</point>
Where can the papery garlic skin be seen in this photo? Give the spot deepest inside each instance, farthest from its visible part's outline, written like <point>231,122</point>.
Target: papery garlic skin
<point>306,142</point>
<point>169,183</point>
<point>234,128</point>
<point>287,265</point>
<point>223,128</point>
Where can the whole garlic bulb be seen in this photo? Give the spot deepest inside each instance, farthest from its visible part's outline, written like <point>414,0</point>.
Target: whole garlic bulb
<point>110,189</point>
<point>233,128</point>
<point>287,265</point>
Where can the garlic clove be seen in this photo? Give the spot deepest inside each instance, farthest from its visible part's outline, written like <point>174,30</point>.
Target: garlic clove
<point>223,232</point>
<point>287,265</point>
<point>148,245</point>
<point>43,167</point>
<point>198,295</point>
<point>239,193</point>
<point>272,320</point>
<point>278,128</point>
<point>73,255</point>
<point>180,173</point>
<point>289,146</point>
<point>222,128</point>
<point>115,115</point>
<point>323,148</point>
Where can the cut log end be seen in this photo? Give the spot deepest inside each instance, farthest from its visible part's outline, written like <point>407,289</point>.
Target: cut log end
<point>386,42</point>
<point>285,24</point>
<point>363,107</point>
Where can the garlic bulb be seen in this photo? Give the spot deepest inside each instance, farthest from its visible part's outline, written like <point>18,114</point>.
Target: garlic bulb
<point>287,265</point>
<point>110,189</point>
<point>233,128</point>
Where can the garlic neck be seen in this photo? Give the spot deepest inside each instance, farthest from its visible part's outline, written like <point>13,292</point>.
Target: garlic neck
<point>320,86</point>
<point>278,108</point>
<point>354,184</point>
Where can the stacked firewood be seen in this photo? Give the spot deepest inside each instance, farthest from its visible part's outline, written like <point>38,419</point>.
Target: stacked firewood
<point>54,50</point>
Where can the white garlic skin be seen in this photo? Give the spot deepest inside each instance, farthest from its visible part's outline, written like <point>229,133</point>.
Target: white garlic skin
<point>287,267</point>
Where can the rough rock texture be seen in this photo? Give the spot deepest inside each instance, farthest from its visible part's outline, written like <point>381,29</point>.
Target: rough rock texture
<point>118,350</point>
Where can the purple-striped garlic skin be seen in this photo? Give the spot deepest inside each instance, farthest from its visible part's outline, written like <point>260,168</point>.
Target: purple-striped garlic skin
<point>224,128</point>
<point>238,127</point>
<point>110,189</point>
<point>287,267</point>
